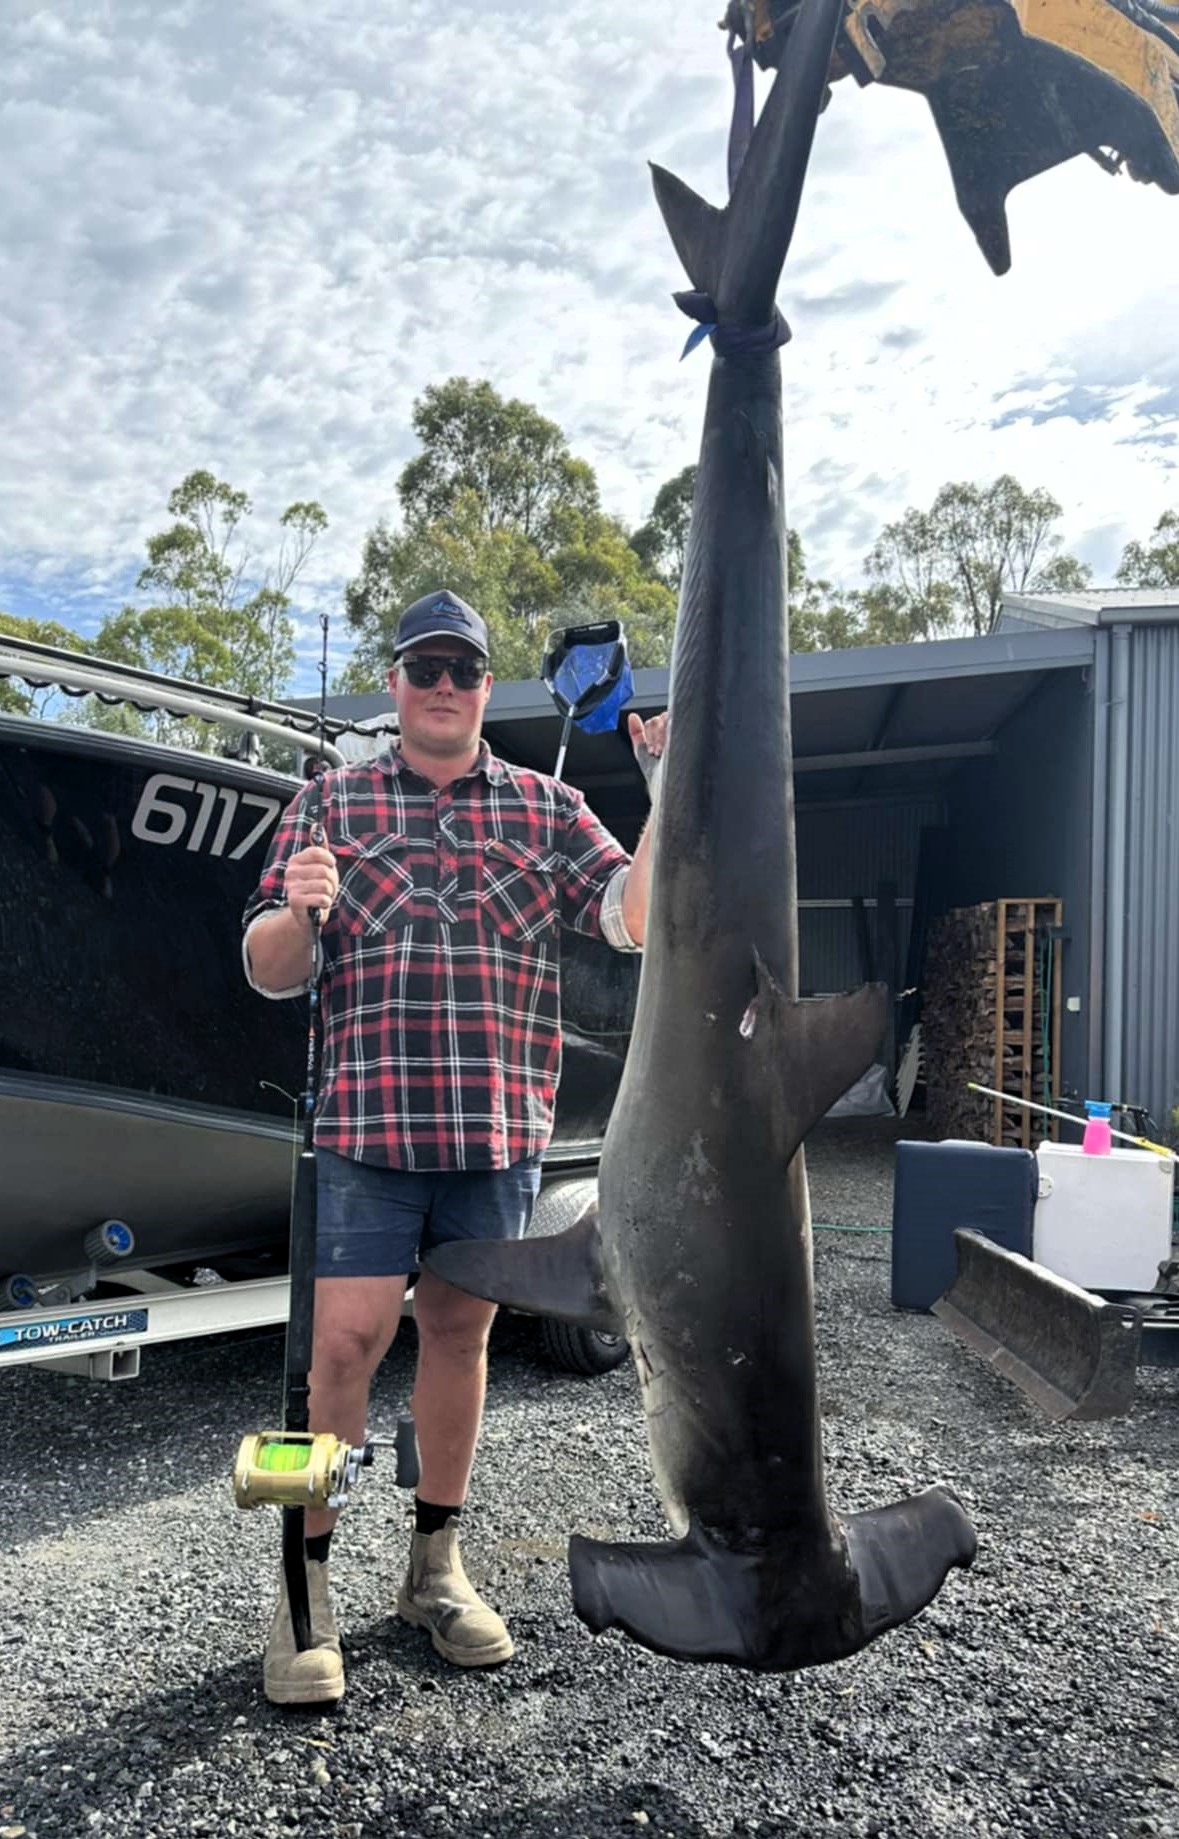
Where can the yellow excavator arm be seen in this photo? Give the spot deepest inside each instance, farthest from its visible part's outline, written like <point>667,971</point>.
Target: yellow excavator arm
<point>1015,86</point>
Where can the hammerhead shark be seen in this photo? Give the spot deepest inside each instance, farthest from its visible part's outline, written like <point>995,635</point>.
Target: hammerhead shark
<point>700,1249</point>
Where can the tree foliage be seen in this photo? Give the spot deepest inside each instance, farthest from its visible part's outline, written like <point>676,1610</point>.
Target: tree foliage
<point>496,508</point>
<point>929,573</point>
<point>505,457</point>
<point>952,564</point>
<point>1156,563</point>
<point>17,697</point>
<point>500,572</point>
<point>211,616</point>
<point>662,541</point>
<point>1064,574</point>
<point>907,597</point>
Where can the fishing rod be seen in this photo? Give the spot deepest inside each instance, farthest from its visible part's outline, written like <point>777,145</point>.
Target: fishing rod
<point>294,1468</point>
<point>1156,1149</point>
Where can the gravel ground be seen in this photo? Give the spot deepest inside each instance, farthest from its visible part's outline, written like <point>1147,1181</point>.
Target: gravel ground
<point>1037,1695</point>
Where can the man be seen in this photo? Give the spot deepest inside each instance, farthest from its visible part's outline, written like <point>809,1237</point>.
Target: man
<point>444,880</point>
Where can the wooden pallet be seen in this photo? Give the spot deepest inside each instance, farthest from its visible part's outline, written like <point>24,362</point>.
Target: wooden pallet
<point>1019,1069</point>
<point>982,1020</point>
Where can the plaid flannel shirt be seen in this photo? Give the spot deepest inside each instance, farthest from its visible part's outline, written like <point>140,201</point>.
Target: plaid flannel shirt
<point>440,960</point>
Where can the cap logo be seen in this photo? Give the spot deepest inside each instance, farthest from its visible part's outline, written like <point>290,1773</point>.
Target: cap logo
<point>445,605</point>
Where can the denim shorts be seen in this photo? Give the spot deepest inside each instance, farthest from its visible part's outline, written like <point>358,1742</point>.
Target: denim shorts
<point>374,1221</point>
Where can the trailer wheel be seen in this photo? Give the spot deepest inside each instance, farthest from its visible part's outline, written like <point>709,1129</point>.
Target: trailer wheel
<point>582,1350</point>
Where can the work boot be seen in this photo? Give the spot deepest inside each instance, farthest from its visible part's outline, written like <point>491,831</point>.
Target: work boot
<point>314,1676</point>
<point>437,1594</point>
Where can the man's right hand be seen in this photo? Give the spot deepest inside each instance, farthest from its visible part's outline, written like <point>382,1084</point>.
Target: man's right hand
<point>312,883</point>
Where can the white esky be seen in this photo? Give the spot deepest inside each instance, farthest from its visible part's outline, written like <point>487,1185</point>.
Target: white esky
<point>246,237</point>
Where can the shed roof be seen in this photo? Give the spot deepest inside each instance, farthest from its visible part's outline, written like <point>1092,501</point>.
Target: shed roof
<point>877,720</point>
<point>1106,606</point>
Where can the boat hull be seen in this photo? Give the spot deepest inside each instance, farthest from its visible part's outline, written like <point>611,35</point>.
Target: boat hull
<point>193,1183</point>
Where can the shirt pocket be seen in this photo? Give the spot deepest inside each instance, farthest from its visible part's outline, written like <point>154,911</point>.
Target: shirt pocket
<point>518,892</point>
<point>376,883</point>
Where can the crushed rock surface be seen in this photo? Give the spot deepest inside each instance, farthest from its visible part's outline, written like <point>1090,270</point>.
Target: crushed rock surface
<point>1037,1695</point>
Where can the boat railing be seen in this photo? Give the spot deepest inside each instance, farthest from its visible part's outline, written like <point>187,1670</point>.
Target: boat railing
<point>78,674</point>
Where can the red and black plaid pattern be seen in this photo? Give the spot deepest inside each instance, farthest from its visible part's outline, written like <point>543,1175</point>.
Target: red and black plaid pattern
<point>440,990</point>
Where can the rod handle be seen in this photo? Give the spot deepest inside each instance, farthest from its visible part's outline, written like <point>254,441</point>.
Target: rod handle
<point>405,1443</point>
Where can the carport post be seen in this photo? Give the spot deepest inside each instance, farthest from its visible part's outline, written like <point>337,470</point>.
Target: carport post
<point>1099,798</point>
<point>886,966</point>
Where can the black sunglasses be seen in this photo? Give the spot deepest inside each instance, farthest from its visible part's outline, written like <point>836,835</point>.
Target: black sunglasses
<point>465,673</point>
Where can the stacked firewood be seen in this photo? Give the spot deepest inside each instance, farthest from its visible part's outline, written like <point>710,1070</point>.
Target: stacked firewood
<point>958,999</point>
<point>984,973</point>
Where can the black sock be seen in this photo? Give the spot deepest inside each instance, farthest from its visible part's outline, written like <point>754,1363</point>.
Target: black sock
<point>319,1547</point>
<point>431,1519</point>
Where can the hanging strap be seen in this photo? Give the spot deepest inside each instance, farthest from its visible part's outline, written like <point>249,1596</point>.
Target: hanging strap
<point>740,52</point>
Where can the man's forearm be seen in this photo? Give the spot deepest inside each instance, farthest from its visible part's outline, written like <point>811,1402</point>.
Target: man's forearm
<point>280,948</point>
<point>636,888</point>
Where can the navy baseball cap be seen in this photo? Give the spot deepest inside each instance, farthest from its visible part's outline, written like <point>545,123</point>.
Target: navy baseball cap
<point>440,616</point>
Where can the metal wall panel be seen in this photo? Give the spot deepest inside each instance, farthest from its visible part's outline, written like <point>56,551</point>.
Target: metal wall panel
<point>1150,1064</point>
<point>848,849</point>
<point>829,951</point>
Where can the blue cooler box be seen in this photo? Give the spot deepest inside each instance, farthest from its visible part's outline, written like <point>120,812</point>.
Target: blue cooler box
<point>938,1187</point>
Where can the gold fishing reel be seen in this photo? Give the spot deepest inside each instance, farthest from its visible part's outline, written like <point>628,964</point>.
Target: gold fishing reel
<point>278,1468</point>
<point>286,1468</point>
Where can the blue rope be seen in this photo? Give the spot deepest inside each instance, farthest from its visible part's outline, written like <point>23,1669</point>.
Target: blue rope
<point>731,339</point>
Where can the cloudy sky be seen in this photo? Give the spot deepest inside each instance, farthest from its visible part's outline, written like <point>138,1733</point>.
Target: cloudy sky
<point>244,236</point>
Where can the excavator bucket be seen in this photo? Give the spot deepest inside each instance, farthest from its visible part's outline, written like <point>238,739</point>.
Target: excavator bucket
<point>1073,1354</point>
<point>1015,86</point>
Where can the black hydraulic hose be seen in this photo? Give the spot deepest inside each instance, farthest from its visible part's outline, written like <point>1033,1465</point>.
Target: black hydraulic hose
<point>1151,15</point>
<point>301,1314</point>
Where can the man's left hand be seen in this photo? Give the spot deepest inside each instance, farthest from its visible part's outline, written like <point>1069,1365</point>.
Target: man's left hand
<point>648,738</point>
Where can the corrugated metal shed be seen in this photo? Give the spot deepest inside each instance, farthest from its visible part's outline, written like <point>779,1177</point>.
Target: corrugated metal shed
<point>1150,1051</point>
<point>1134,878</point>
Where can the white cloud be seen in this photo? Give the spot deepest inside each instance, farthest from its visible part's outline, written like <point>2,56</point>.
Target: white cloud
<point>247,238</point>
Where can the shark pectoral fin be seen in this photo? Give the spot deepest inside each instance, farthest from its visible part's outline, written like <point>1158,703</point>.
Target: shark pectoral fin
<point>674,1598</point>
<point>903,1553</point>
<point>816,1049</point>
<point>561,1276</point>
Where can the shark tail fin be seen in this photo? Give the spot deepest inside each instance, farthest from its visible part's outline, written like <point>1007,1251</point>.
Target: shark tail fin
<point>696,228</point>
<point>735,256</point>
<point>561,1276</point>
<point>694,1599</point>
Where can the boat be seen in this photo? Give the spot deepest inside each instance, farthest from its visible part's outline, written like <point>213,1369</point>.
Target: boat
<point>142,1081</point>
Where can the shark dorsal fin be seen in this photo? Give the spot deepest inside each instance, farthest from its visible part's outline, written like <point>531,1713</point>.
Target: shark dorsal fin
<point>816,1049</point>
